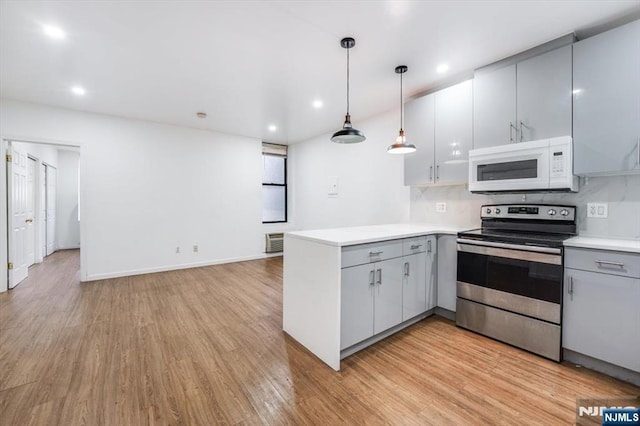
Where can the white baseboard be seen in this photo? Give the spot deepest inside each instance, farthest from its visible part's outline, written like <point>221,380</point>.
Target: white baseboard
<point>108,275</point>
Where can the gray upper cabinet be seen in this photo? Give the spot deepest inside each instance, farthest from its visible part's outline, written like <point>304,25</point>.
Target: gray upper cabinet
<point>606,102</point>
<point>419,124</point>
<point>440,125</point>
<point>525,101</point>
<point>544,95</point>
<point>454,132</point>
<point>494,107</point>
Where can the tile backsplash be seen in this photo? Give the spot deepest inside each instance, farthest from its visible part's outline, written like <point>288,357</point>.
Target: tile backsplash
<point>621,193</point>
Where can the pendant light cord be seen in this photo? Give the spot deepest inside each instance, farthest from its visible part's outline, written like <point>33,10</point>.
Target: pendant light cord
<point>401,105</point>
<point>348,80</point>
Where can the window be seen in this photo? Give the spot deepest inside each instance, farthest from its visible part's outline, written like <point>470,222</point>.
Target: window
<point>274,183</point>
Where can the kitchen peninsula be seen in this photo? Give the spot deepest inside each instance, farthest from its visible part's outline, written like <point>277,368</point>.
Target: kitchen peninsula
<point>347,288</point>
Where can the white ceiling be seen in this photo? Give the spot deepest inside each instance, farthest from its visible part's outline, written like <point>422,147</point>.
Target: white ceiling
<point>248,64</point>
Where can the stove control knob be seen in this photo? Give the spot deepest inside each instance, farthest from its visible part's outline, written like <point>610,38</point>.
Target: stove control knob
<point>564,212</point>
<point>497,211</point>
<point>488,211</point>
<point>551,212</point>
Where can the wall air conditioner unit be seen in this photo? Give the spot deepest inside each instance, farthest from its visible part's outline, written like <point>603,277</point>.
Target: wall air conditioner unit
<point>274,242</point>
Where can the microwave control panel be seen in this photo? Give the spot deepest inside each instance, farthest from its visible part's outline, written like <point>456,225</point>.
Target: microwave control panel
<point>557,163</point>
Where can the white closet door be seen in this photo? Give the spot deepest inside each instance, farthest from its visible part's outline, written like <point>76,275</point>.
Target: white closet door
<point>43,212</point>
<point>52,179</point>
<point>17,175</point>
<point>31,212</point>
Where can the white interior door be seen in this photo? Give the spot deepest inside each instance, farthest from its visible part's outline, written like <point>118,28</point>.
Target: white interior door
<point>31,212</point>
<point>42,249</point>
<point>17,184</point>
<point>52,178</point>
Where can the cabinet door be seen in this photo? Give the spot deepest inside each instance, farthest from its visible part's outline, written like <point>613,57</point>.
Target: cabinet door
<point>494,107</point>
<point>447,270</point>
<point>356,309</point>
<point>432,271</point>
<point>454,131</point>
<point>601,318</point>
<point>606,102</point>
<point>544,95</point>
<point>419,128</point>
<point>388,295</point>
<point>414,291</point>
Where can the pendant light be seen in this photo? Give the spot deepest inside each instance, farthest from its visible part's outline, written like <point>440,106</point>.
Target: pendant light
<point>401,146</point>
<point>348,134</point>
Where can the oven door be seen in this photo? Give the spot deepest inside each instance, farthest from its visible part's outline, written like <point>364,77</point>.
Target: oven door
<point>514,167</point>
<point>521,279</point>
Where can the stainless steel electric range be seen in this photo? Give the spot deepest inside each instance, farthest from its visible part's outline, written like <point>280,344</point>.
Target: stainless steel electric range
<point>510,274</point>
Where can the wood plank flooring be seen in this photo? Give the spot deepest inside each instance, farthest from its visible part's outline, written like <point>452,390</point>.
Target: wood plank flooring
<point>205,346</point>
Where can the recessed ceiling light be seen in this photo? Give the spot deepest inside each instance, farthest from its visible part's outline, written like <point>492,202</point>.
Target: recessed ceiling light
<point>201,114</point>
<point>317,104</point>
<point>54,32</point>
<point>77,90</point>
<point>442,68</point>
<point>272,127</point>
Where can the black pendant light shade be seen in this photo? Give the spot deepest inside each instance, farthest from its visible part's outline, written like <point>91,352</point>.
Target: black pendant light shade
<point>401,146</point>
<point>347,134</point>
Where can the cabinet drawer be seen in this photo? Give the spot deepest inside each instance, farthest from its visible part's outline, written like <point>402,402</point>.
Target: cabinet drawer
<point>604,261</point>
<point>414,245</point>
<point>374,252</point>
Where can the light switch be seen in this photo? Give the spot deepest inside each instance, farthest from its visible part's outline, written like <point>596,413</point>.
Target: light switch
<point>599,210</point>
<point>332,186</point>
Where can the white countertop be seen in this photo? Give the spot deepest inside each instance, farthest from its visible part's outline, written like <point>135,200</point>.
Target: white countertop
<point>369,234</point>
<point>632,246</point>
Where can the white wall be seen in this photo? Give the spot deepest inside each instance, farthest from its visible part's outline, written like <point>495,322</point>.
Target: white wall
<point>622,193</point>
<point>67,223</point>
<point>370,181</point>
<point>148,188</point>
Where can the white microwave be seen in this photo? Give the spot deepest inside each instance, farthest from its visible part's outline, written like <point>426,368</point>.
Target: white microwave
<point>543,166</point>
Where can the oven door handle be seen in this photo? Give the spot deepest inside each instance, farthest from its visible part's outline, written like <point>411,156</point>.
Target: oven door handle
<point>508,253</point>
<point>549,250</point>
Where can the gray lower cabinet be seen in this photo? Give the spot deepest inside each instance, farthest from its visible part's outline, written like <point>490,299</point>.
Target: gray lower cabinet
<point>440,125</point>
<point>606,102</point>
<point>601,318</point>
<point>385,284</point>
<point>371,300</point>
<point>419,279</point>
<point>525,101</point>
<point>447,271</point>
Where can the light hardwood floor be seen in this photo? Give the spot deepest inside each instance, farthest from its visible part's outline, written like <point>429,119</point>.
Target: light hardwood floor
<point>205,346</point>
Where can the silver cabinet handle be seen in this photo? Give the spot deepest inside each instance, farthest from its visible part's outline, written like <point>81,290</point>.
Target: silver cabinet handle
<point>375,253</point>
<point>511,127</point>
<point>437,172</point>
<point>406,269</point>
<point>371,277</point>
<point>608,263</point>
<point>571,286</point>
<point>638,151</point>
<point>429,246</point>
<point>430,173</point>
<point>415,246</point>
<point>379,280</point>
<point>522,127</point>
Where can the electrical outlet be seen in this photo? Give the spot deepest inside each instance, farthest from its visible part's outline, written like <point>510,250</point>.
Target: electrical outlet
<point>597,210</point>
<point>332,186</point>
<point>441,207</point>
<point>177,250</point>
<point>195,248</point>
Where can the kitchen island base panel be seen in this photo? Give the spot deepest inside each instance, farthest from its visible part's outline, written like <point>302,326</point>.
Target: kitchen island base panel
<point>311,298</point>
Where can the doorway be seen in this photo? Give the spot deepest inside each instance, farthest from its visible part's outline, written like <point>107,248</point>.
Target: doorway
<point>42,195</point>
